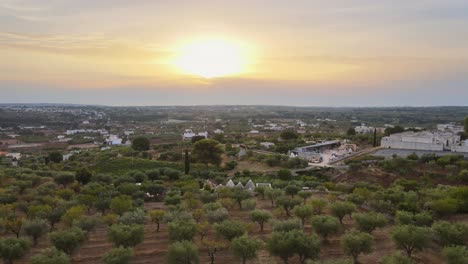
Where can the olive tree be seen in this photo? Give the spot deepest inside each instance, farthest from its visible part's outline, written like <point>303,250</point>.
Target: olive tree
<point>125,235</point>
<point>355,243</point>
<point>121,204</point>
<point>156,217</point>
<point>411,238</point>
<point>368,222</point>
<point>260,217</point>
<point>341,209</point>
<point>287,203</point>
<point>230,229</point>
<point>450,234</point>
<point>118,255</point>
<point>397,258</point>
<point>287,244</point>
<point>67,240</point>
<point>183,252</point>
<point>182,230</point>
<point>35,229</point>
<point>51,256</point>
<point>13,248</point>
<point>303,212</point>
<point>208,151</point>
<point>456,254</point>
<point>212,247</point>
<point>245,248</point>
<point>325,225</point>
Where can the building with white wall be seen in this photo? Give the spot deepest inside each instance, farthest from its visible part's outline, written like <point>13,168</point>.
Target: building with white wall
<point>363,129</point>
<point>189,134</point>
<point>424,140</point>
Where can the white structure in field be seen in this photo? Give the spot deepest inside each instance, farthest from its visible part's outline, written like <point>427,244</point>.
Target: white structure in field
<point>218,131</point>
<point>425,140</point>
<point>363,129</point>
<point>249,186</point>
<point>114,140</point>
<point>267,144</point>
<point>450,127</point>
<point>78,131</point>
<point>189,134</point>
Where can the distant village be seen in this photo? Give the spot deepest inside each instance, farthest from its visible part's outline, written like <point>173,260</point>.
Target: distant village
<point>95,129</point>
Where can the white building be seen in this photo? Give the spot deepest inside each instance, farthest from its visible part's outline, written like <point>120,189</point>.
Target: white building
<point>424,140</point>
<point>218,131</point>
<point>14,155</point>
<point>189,134</point>
<point>267,144</point>
<point>363,129</point>
<point>129,132</point>
<point>113,140</point>
<point>450,127</point>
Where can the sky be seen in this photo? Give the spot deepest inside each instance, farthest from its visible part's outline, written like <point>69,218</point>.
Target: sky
<point>301,52</point>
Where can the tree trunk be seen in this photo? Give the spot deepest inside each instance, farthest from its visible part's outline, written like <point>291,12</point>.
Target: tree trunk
<point>157,228</point>
<point>211,255</point>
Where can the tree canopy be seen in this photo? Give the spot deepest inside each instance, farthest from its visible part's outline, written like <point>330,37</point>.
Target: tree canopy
<point>208,151</point>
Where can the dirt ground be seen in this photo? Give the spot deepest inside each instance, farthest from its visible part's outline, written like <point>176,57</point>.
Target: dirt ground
<point>155,244</point>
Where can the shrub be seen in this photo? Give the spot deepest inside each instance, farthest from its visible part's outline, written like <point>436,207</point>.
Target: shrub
<point>35,229</point>
<point>183,252</point>
<point>120,255</point>
<point>13,249</point>
<point>456,255</point>
<point>446,206</point>
<point>286,225</point>
<point>368,222</point>
<point>397,258</point>
<point>182,230</point>
<point>230,229</point>
<point>217,215</point>
<point>136,216</point>
<point>67,240</point>
<point>121,204</point>
<point>448,234</point>
<point>72,214</point>
<point>249,204</point>
<point>87,223</point>
<point>51,256</point>
<point>318,205</point>
<point>125,235</point>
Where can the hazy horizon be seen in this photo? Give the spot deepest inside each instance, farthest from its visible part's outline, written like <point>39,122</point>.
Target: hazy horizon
<point>301,53</point>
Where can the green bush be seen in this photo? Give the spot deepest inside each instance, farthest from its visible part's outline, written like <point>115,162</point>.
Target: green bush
<point>119,255</point>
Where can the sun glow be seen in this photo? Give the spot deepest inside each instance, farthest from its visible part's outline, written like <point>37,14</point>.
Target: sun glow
<point>211,58</point>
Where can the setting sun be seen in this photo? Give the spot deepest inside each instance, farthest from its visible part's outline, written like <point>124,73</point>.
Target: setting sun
<point>211,58</point>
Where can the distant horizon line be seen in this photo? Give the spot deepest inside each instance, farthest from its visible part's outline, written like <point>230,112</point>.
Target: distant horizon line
<point>233,105</point>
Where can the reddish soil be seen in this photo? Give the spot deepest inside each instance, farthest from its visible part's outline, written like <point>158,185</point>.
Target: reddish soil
<point>155,244</point>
